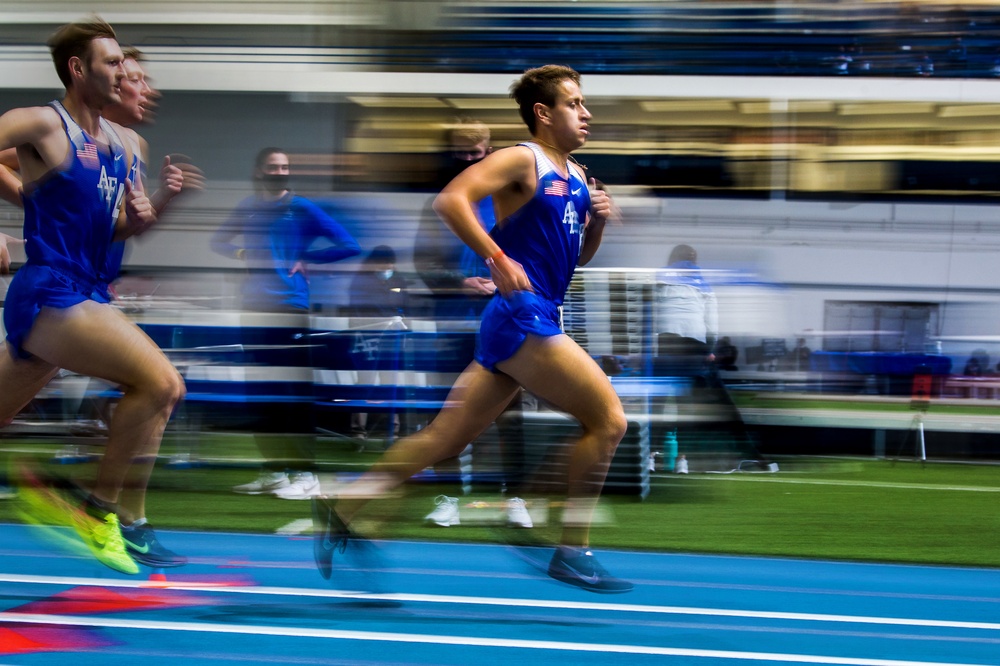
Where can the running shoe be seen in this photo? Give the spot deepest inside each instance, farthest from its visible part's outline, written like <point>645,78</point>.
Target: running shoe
<point>445,513</point>
<point>584,571</point>
<point>517,514</point>
<point>267,482</point>
<point>303,486</point>
<point>40,503</point>
<point>143,546</point>
<point>104,539</point>
<point>331,533</point>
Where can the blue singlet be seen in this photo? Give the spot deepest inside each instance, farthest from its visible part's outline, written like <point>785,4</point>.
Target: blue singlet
<point>545,236</point>
<point>69,222</point>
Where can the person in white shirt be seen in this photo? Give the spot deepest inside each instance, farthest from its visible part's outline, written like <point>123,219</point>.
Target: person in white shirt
<point>687,327</point>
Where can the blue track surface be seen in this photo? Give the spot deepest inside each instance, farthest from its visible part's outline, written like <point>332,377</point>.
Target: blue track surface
<point>258,599</point>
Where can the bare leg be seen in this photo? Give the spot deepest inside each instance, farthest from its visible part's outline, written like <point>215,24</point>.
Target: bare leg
<point>477,398</point>
<point>21,379</point>
<point>97,340</point>
<point>560,372</point>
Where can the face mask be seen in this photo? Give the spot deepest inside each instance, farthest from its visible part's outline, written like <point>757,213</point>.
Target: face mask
<point>456,166</point>
<point>274,183</point>
<point>386,274</point>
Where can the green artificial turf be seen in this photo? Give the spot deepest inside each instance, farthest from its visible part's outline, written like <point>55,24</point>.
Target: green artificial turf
<point>854,509</point>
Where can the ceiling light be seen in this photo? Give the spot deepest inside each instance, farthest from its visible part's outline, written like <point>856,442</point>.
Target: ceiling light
<point>685,105</point>
<point>963,110</point>
<point>398,102</point>
<point>885,108</point>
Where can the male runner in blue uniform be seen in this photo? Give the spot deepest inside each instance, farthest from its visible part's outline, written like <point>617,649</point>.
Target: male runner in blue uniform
<point>548,224</point>
<point>78,200</point>
<point>137,100</point>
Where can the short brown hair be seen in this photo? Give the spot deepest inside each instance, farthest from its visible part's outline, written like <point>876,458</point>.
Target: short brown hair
<point>539,85</point>
<point>73,41</point>
<point>469,130</point>
<point>132,53</point>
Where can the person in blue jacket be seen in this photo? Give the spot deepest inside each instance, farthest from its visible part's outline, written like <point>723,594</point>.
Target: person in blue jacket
<point>282,233</point>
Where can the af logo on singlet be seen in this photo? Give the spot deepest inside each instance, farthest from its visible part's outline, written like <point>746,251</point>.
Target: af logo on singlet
<point>110,190</point>
<point>571,218</point>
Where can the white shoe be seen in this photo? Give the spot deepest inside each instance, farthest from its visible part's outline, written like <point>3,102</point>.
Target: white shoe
<point>304,485</point>
<point>267,482</point>
<point>517,514</point>
<point>681,466</point>
<point>446,513</point>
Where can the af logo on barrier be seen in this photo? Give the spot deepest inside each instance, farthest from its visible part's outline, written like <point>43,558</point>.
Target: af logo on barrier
<point>367,345</point>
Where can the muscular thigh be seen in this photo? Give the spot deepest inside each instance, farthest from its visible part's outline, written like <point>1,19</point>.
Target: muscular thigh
<point>560,372</point>
<point>97,340</point>
<point>21,380</point>
<point>476,399</point>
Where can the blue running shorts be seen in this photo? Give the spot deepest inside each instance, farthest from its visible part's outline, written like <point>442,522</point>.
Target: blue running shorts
<point>507,322</point>
<point>35,287</point>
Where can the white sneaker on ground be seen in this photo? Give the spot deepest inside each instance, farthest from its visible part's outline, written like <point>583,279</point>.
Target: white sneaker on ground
<point>517,514</point>
<point>446,513</point>
<point>267,482</point>
<point>304,485</point>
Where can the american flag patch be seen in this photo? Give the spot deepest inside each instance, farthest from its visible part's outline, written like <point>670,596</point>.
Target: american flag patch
<point>557,188</point>
<point>88,156</point>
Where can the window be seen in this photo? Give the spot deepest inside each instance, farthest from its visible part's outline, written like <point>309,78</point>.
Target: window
<point>866,326</point>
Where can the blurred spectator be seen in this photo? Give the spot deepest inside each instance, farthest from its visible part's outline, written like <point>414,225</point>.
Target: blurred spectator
<point>957,58</point>
<point>925,66</point>
<point>377,292</point>
<point>457,277</point>
<point>978,364</point>
<point>281,234</point>
<point>462,287</point>
<point>686,320</point>
<point>280,231</point>
<point>797,358</point>
<point>726,354</point>
<point>842,62</point>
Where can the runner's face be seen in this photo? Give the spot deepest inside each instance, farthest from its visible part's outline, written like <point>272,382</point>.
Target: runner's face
<point>104,72</point>
<point>569,117</point>
<point>134,94</point>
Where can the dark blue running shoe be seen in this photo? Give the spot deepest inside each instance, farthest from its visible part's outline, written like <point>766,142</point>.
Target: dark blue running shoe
<point>143,546</point>
<point>359,565</point>
<point>330,533</point>
<point>584,571</point>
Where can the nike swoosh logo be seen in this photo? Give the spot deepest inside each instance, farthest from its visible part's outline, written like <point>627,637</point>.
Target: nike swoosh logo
<point>593,579</point>
<point>142,550</point>
<point>577,191</point>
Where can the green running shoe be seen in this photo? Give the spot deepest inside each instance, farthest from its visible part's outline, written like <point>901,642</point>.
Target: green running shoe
<point>104,539</point>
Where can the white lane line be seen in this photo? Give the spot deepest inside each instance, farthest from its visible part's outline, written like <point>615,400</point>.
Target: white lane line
<point>502,601</point>
<point>766,478</point>
<point>469,641</point>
